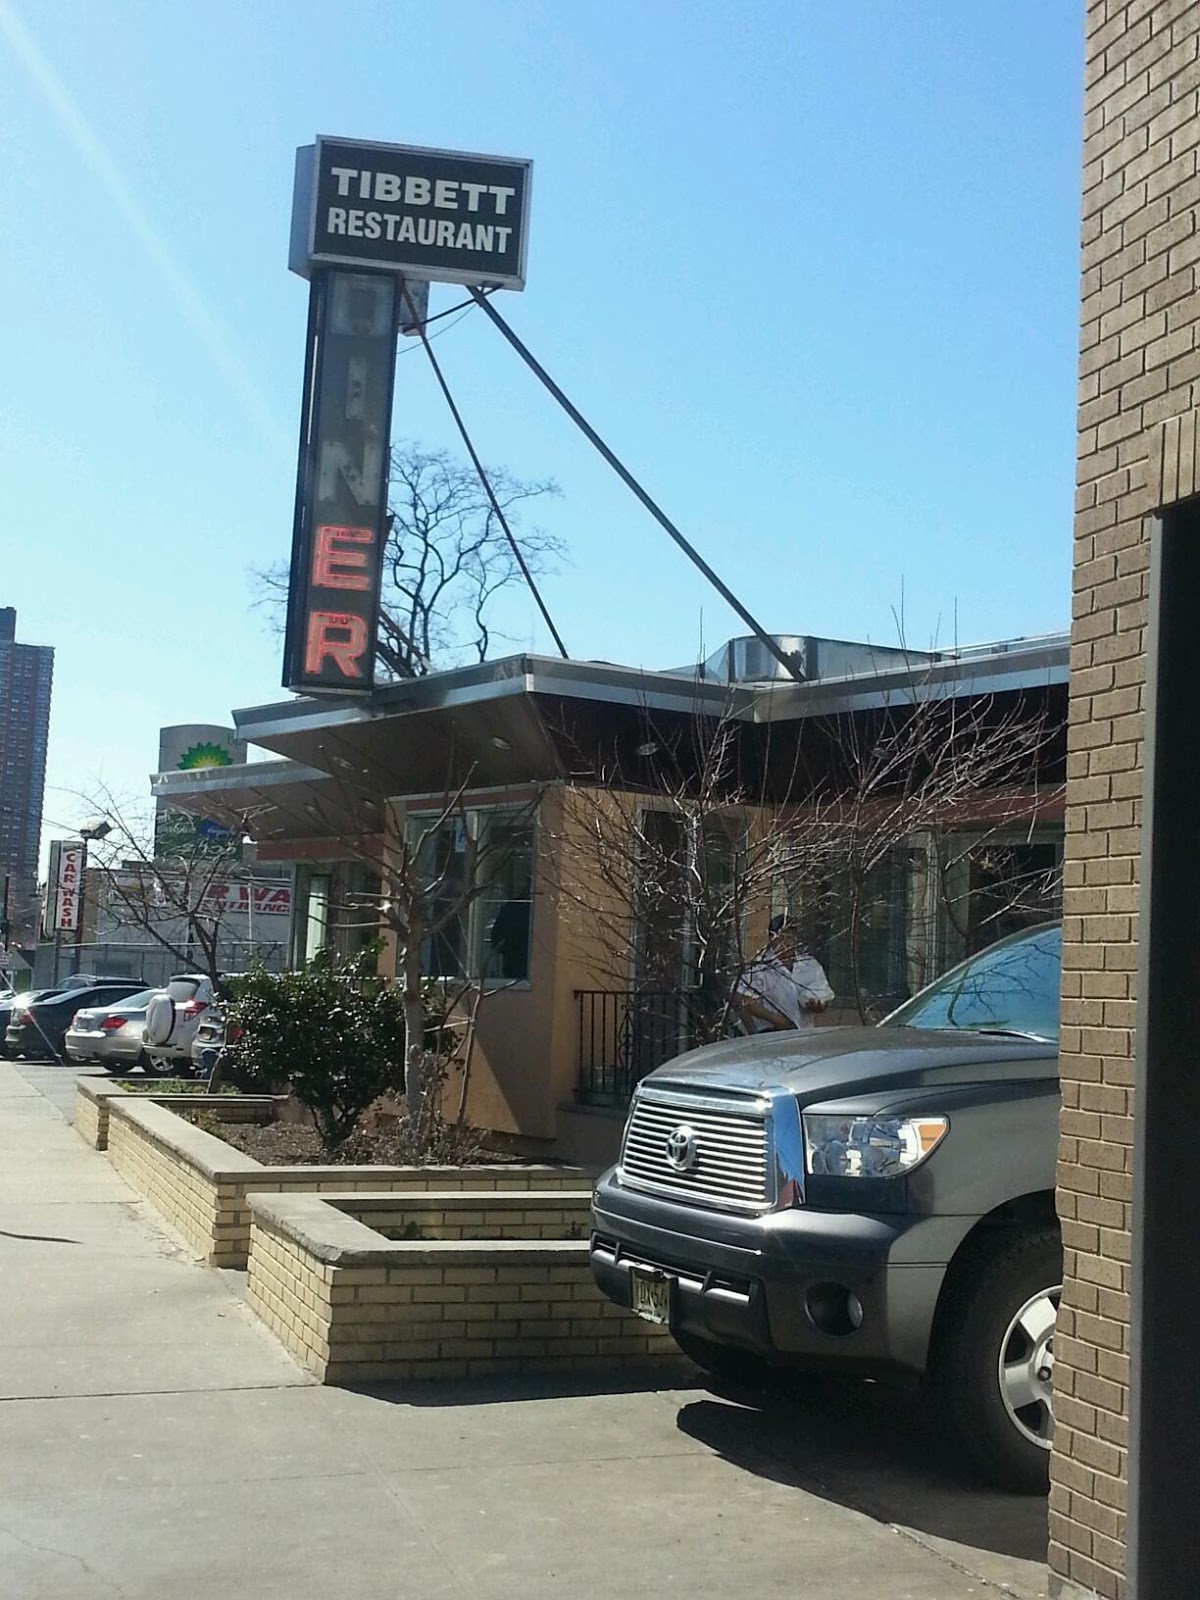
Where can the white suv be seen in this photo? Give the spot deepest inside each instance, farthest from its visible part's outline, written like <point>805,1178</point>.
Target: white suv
<point>172,1017</point>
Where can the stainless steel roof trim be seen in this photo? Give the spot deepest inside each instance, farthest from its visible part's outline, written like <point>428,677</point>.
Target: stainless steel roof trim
<point>944,680</point>
<point>470,686</point>
<point>245,775</point>
<point>1011,665</point>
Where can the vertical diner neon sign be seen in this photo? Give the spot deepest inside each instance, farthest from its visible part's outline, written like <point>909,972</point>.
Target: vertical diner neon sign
<point>341,497</point>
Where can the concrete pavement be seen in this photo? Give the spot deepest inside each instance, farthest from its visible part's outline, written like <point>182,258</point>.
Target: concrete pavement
<point>154,1440</point>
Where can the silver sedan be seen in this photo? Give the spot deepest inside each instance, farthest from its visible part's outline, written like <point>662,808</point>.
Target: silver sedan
<point>111,1035</point>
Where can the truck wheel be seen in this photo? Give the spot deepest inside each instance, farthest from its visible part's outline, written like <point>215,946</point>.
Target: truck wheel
<point>726,1364</point>
<point>994,1364</point>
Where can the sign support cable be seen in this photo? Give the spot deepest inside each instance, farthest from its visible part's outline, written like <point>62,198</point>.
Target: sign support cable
<point>784,657</point>
<point>483,477</point>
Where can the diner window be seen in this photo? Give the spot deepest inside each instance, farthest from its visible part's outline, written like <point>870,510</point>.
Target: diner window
<point>1013,885</point>
<point>357,914</point>
<point>995,884</point>
<point>316,915</point>
<point>858,930</point>
<point>478,869</point>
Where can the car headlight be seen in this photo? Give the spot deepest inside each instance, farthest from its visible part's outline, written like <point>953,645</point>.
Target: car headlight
<point>850,1146</point>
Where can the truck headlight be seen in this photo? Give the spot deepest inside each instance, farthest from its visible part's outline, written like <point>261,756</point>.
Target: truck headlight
<point>851,1146</point>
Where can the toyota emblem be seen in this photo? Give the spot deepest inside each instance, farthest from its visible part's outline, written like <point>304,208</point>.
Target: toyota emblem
<point>682,1153</point>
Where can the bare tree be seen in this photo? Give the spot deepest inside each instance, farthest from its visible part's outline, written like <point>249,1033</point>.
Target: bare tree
<point>446,559</point>
<point>669,866</point>
<point>656,879</point>
<point>959,780</point>
<point>166,880</point>
<point>425,874</point>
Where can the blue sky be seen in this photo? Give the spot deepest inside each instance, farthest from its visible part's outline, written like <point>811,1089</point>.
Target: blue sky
<point>811,267</point>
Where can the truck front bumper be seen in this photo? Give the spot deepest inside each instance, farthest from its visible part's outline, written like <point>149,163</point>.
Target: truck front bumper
<point>840,1290</point>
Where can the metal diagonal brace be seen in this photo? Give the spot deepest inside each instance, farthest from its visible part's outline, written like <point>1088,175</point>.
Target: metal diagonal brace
<point>786,659</point>
<point>497,509</point>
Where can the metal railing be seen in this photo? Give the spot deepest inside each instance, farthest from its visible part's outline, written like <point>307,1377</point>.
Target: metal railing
<point>626,1033</point>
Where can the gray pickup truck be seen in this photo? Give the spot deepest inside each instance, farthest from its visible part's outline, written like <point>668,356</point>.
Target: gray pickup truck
<point>873,1201</point>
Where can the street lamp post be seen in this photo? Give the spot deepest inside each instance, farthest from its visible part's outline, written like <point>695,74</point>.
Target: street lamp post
<point>249,858</point>
<point>99,829</point>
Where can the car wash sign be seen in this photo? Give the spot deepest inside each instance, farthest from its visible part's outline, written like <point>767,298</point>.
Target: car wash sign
<point>367,219</point>
<point>439,215</point>
<point>64,896</point>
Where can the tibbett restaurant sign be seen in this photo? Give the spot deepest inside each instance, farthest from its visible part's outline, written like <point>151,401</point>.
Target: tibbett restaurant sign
<point>441,215</point>
<point>367,219</point>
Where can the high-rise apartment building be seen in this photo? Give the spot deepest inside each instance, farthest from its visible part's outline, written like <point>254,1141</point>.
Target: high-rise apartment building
<point>26,671</point>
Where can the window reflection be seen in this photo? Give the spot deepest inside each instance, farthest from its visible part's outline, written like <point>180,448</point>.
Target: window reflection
<point>1013,987</point>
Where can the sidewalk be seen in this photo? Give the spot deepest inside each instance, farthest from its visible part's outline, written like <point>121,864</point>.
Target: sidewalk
<point>156,1442</point>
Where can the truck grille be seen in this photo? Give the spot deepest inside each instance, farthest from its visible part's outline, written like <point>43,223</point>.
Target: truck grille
<point>699,1149</point>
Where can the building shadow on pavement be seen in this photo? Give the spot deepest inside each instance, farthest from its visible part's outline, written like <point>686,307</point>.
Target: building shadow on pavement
<point>873,1450</point>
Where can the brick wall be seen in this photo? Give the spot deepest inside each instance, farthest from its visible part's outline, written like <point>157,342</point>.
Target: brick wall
<point>1139,373</point>
<point>210,1216</point>
<point>90,1120</point>
<point>522,1214</point>
<point>444,1310</point>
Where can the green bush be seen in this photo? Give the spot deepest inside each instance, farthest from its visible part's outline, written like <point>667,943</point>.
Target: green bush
<point>333,1033</point>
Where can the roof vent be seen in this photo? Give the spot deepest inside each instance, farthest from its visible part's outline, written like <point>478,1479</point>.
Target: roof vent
<point>747,660</point>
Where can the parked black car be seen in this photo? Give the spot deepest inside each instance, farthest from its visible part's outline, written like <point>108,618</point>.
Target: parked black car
<point>22,998</point>
<point>38,1027</point>
<point>7,1006</point>
<point>875,1201</point>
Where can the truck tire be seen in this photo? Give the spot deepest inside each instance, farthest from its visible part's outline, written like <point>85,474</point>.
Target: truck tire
<point>994,1356</point>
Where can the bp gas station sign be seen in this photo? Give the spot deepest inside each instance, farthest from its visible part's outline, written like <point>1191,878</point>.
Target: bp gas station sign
<point>372,225</point>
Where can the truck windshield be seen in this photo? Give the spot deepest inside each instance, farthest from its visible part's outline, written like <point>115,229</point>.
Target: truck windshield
<point>1011,988</point>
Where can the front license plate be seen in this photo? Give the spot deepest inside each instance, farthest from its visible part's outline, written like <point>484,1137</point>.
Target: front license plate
<point>650,1295</point>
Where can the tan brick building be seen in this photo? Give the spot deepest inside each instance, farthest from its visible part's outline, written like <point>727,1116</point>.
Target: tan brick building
<point>1129,1317</point>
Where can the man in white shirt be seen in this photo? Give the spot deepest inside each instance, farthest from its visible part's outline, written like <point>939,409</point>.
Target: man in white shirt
<point>782,988</point>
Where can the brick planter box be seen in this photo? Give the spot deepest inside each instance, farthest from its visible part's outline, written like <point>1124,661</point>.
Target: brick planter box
<point>201,1185</point>
<point>92,1097</point>
<point>353,1306</point>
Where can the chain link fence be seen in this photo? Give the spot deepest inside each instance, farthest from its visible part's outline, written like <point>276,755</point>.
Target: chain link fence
<point>146,963</point>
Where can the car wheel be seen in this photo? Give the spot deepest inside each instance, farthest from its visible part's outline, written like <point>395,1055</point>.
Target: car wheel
<point>154,1068</point>
<point>994,1365</point>
<point>739,1368</point>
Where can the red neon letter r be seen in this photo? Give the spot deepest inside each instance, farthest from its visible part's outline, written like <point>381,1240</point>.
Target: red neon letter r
<point>338,636</point>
